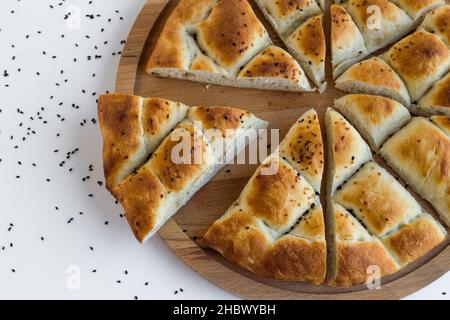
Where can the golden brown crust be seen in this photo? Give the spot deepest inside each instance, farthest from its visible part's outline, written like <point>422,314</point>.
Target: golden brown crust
<point>288,7</point>
<point>231,32</point>
<point>220,118</point>
<point>376,198</point>
<point>309,39</point>
<point>311,225</point>
<point>295,259</point>
<point>438,21</point>
<point>346,39</point>
<point>419,59</point>
<point>279,199</point>
<point>442,122</point>
<point>273,62</point>
<point>355,258</point>
<point>414,240</point>
<point>349,149</point>
<point>420,153</point>
<point>142,196</point>
<point>376,109</point>
<point>120,122</point>
<point>303,148</point>
<point>239,238</point>
<point>416,8</point>
<point>170,50</point>
<point>375,72</point>
<point>437,97</point>
<point>177,176</point>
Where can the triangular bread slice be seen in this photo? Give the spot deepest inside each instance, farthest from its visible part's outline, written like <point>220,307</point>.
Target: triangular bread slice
<point>438,22</point>
<point>442,122</point>
<point>299,24</point>
<point>420,59</point>
<point>308,45</point>
<point>375,117</point>
<point>379,27</point>
<point>212,41</point>
<point>286,15</point>
<point>303,148</point>
<point>437,99</point>
<point>420,154</point>
<point>347,43</point>
<point>418,9</point>
<point>374,76</point>
<point>276,227</point>
<point>147,167</point>
<point>346,151</point>
<point>355,251</point>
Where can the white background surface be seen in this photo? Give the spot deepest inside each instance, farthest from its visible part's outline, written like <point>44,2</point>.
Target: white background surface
<point>45,92</point>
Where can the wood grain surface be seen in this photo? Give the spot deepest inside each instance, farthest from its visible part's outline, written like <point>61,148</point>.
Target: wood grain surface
<point>183,233</point>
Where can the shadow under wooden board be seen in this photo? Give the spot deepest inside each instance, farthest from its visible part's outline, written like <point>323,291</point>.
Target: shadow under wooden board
<point>183,233</point>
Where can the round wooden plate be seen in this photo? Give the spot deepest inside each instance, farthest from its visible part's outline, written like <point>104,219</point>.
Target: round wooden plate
<point>183,233</point>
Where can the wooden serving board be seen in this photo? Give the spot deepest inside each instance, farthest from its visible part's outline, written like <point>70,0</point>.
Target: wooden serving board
<point>183,233</point>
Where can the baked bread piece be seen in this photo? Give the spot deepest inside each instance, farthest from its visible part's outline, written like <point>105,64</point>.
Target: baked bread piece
<point>374,76</point>
<point>394,23</point>
<point>276,227</point>
<point>132,128</point>
<point>420,59</point>
<point>375,117</point>
<point>377,199</point>
<point>437,100</point>
<point>151,191</point>
<point>417,9</point>
<point>347,151</point>
<point>307,44</point>
<point>273,68</point>
<point>285,15</point>
<point>347,43</point>
<point>303,148</point>
<point>355,251</point>
<point>420,154</point>
<point>438,22</point>
<point>299,24</point>
<point>211,42</point>
<point>442,122</point>
<point>414,240</point>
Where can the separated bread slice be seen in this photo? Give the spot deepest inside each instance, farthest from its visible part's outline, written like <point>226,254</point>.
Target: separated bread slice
<point>381,22</point>
<point>437,100</point>
<point>374,76</point>
<point>285,15</point>
<point>303,148</point>
<point>184,154</point>
<point>273,68</point>
<point>132,128</point>
<point>375,117</point>
<point>260,232</point>
<point>276,227</point>
<point>347,151</point>
<point>442,122</point>
<point>415,239</point>
<point>355,252</point>
<point>417,9</point>
<point>420,59</point>
<point>307,44</point>
<point>347,42</point>
<point>377,199</point>
<point>420,154</point>
<point>437,21</point>
<point>212,41</point>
